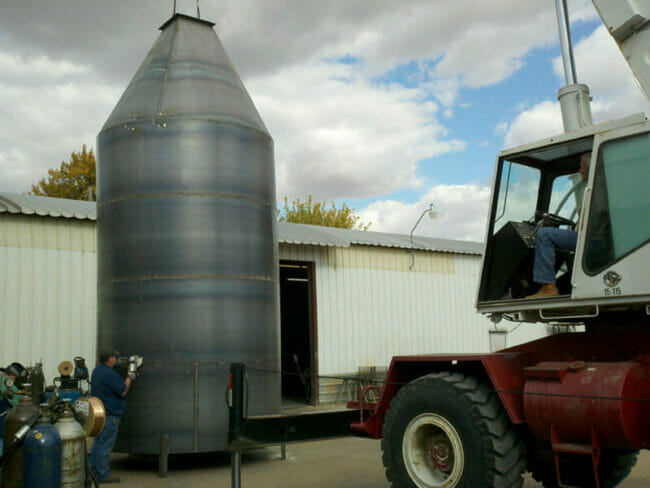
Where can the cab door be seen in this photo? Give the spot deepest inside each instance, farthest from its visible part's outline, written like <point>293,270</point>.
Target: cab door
<point>613,252</point>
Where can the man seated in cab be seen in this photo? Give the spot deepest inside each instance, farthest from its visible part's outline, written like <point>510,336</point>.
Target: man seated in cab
<point>549,239</point>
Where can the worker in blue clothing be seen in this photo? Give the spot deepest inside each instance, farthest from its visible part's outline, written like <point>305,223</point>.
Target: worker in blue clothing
<point>111,389</point>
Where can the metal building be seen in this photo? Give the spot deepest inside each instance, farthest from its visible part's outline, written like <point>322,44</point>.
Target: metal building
<point>47,280</point>
<point>370,296</point>
<point>349,299</point>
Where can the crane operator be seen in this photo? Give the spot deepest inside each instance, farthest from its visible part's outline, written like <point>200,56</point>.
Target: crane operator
<point>111,389</point>
<point>551,238</point>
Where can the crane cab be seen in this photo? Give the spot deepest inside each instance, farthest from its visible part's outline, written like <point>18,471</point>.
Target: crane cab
<point>539,185</point>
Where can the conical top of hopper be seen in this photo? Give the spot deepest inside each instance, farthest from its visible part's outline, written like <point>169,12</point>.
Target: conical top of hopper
<point>186,73</point>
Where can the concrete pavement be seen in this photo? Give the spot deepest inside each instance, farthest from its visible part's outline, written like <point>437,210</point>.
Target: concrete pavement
<point>341,463</point>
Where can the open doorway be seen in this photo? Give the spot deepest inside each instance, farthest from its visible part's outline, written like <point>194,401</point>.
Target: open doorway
<point>297,332</point>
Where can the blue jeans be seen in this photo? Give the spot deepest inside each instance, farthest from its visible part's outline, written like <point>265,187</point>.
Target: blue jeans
<point>548,240</point>
<point>103,444</point>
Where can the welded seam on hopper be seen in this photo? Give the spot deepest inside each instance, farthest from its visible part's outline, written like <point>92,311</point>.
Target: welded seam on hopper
<point>204,71</point>
<point>219,276</point>
<point>127,122</point>
<point>169,61</point>
<point>223,196</point>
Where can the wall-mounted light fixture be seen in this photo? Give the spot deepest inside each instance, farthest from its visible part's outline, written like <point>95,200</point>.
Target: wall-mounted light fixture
<point>433,213</point>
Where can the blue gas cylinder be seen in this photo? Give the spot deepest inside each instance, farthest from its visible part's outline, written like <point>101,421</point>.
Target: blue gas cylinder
<point>42,456</point>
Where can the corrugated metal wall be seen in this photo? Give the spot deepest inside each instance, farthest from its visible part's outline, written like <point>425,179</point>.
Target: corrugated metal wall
<point>371,306</point>
<point>47,290</point>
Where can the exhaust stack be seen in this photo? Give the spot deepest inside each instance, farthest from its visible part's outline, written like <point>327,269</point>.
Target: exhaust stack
<point>574,98</point>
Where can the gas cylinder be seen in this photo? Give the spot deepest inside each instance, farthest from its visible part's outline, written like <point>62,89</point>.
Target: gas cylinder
<point>21,414</point>
<point>42,456</point>
<point>37,380</point>
<point>73,451</point>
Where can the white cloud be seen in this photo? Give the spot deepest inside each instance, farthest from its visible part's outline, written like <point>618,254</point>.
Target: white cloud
<point>462,211</point>
<point>582,11</point>
<point>600,64</point>
<point>542,120</point>
<point>339,136</point>
<point>477,41</point>
<point>444,89</point>
<point>46,117</point>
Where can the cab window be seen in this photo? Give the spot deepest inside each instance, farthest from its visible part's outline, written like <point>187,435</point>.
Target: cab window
<point>566,196</point>
<point>518,190</point>
<point>619,215</point>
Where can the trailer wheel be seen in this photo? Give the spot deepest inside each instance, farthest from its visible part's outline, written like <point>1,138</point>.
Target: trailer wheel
<point>447,430</point>
<point>614,466</point>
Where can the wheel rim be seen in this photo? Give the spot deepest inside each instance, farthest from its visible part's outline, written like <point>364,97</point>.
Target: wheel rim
<point>433,452</point>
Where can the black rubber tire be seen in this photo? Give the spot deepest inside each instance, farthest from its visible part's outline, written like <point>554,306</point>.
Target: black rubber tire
<point>614,466</point>
<point>494,454</point>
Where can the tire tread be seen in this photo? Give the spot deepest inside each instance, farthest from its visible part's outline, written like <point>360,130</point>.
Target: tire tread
<point>507,449</point>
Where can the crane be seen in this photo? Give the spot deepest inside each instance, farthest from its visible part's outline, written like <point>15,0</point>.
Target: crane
<point>572,408</point>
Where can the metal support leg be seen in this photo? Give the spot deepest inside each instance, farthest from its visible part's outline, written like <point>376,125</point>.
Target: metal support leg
<point>163,455</point>
<point>283,451</point>
<point>235,467</point>
<point>236,419</point>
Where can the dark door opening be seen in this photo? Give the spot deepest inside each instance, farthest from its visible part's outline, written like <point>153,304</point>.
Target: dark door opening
<point>297,332</point>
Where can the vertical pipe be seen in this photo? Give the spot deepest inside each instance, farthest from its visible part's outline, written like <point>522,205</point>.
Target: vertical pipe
<point>235,469</point>
<point>196,407</point>
<point>236,419</point>
<point>163,455</point>
<point>564,30</point>
<point>236,398</point>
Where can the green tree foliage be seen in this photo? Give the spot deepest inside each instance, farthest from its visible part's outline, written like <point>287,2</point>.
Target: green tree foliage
<point>317,213</point>
<point>74,180</point>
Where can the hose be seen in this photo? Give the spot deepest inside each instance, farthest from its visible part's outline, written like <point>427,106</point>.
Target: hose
<point>19,436</point>
<point>91,477</point>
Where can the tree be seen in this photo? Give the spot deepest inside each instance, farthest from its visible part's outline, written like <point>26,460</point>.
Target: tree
<point>317,213</point>
<point>74,180</point>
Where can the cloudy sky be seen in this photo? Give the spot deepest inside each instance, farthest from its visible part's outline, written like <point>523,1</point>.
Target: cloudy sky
<point>384,105</point>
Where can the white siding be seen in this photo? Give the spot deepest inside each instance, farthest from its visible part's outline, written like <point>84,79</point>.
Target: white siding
<point>371,306</point>
<point>47,291</point>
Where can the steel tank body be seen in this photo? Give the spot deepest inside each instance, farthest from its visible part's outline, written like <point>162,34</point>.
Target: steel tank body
<point>73,451</point>
<point>187,242</point>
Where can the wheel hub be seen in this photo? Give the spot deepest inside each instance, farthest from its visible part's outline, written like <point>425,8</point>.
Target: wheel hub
<point>441,453</point>
<point>433,452</point>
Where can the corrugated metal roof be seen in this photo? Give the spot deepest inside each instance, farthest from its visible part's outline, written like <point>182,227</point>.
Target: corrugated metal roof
<point>47,206</point>
<point>313,235</point>
<point>330,236</point>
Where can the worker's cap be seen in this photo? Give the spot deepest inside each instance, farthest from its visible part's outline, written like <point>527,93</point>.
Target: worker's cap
<point>107,353</point>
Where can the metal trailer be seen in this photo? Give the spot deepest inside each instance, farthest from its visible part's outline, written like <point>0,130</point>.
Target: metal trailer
<point>573,408</point>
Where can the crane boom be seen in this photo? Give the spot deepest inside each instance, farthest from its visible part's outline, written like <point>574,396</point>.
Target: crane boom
<point>628,21</point>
